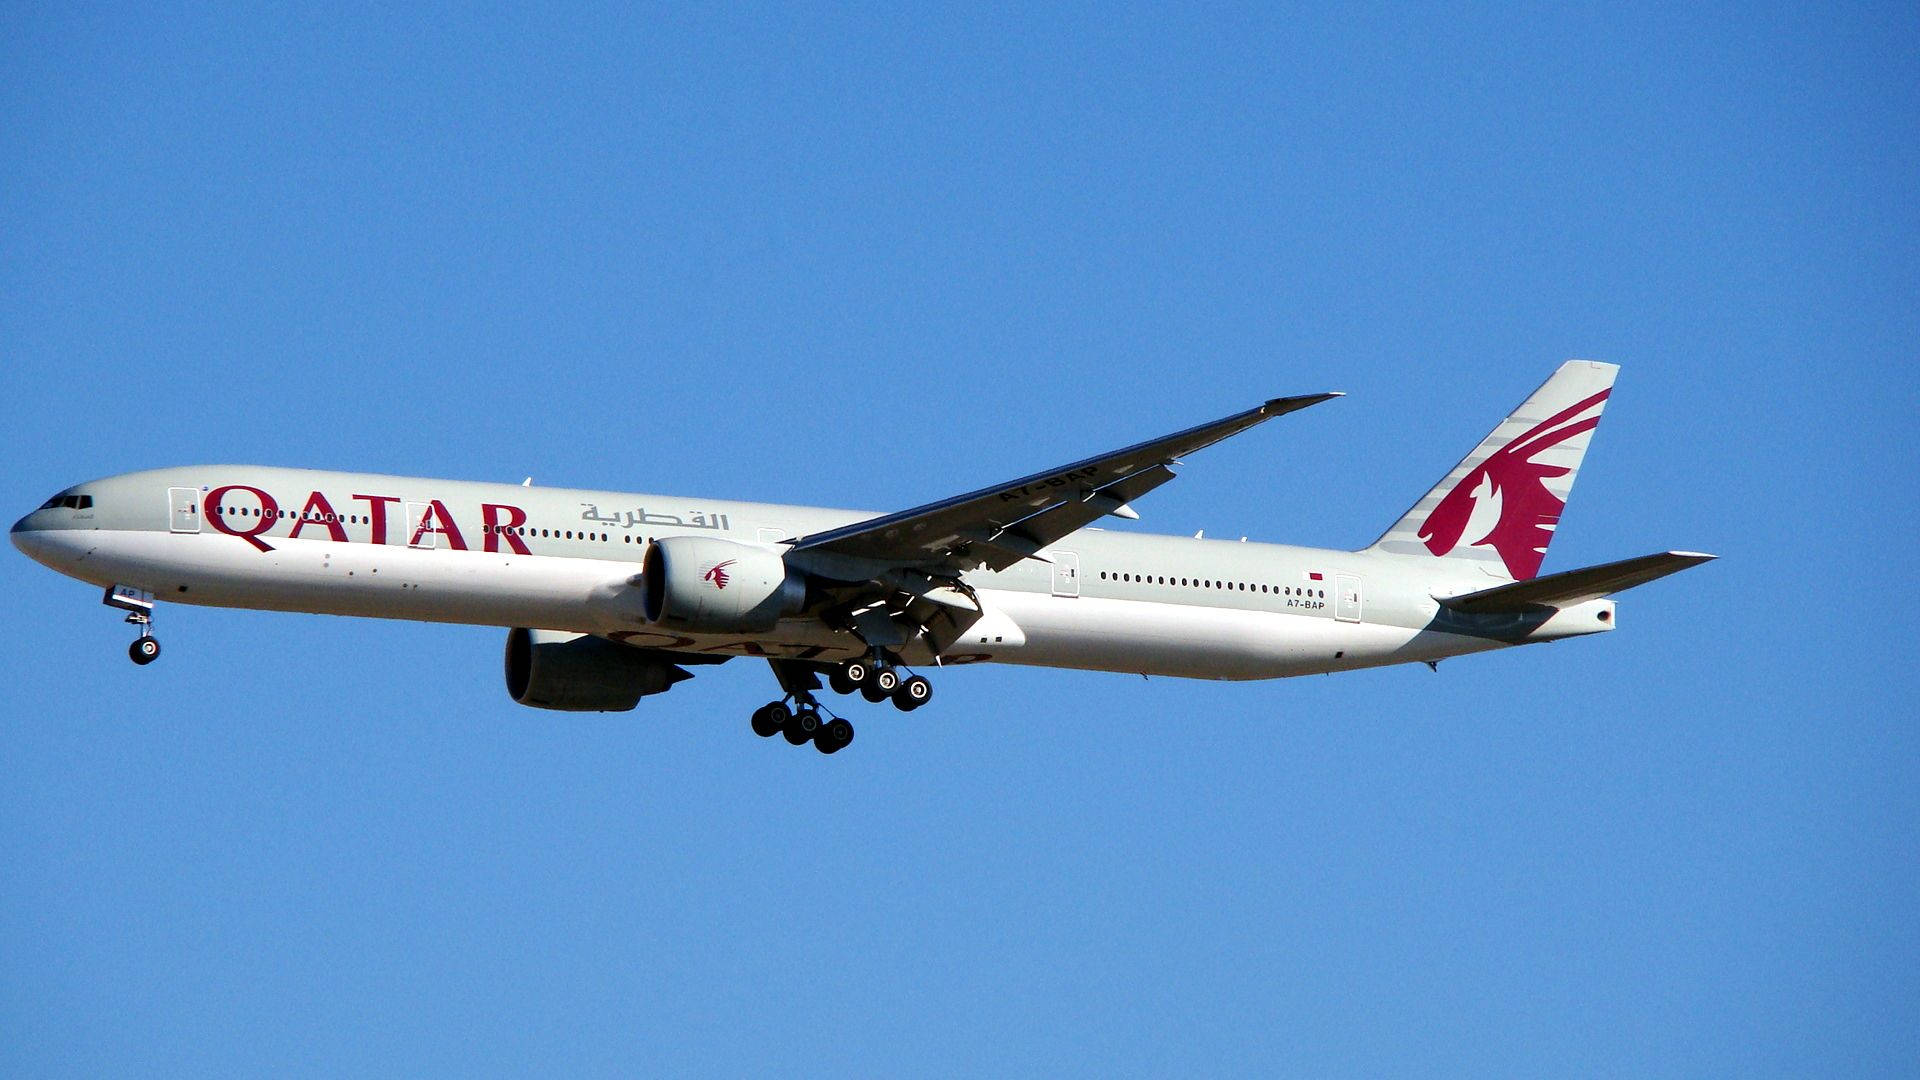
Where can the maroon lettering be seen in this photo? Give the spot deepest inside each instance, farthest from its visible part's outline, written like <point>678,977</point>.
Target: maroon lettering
<point>437,510</point>
<point>216,513</point>
<point>494,528</point>
<point>377,513</point>
<point>319,511</point>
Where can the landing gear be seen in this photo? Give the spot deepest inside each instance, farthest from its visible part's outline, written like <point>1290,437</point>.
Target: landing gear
<point>801,723</point>
<point>833,736</point>
<point>800,719</point>
<point>912,693</point>
<point>138,604</point>
<point>886,680</point>
<point>875,679</point>
<point>768,719</point>
<point>851,675</point>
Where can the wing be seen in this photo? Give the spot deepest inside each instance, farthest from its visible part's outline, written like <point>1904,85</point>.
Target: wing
<point>1000,525</point>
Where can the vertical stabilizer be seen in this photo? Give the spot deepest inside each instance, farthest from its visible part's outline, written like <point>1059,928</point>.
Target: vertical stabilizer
<point>1499,507</point>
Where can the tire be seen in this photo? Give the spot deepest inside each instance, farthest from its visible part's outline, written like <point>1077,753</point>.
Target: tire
<point>855,673</point>
<point>800,726</point>
<point>838,683</point>
<point>833,736</point>
<point>765,723</point>
<point>873,694</point>
<point>886,680</point>
<point>144,650</point>
<point>913,693</point>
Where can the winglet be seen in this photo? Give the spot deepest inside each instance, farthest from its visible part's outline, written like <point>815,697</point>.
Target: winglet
<point>1282,405</point>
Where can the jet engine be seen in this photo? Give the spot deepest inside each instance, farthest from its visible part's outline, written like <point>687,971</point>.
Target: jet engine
<point>549,669</point>
<point>706,586</point>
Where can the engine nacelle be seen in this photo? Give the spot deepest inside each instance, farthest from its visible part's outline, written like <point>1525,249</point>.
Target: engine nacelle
<point>549,669</point>
<point>707,586</point>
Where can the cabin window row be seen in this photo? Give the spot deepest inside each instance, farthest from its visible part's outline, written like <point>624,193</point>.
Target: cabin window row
<point>1210,583</point>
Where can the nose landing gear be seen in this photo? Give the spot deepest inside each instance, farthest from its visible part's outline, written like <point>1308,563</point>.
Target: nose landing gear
<point>138,604</point>
<point>145,648</point>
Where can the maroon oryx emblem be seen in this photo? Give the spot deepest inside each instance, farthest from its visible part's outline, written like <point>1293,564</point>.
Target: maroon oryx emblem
<point>717,573</point>
<point>1528,511</point>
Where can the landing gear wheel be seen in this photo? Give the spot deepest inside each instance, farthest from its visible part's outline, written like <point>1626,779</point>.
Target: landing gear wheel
<point>769,719</point>
<point>913,693</point>
<point>886,680</point>
<point>144,650</point>
<point>853,675</point>
<point>873,693</point>
<point>833,736</point>
<point>800,726</point>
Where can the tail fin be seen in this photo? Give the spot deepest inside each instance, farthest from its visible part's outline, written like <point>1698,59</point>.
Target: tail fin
<point>1498,508</point>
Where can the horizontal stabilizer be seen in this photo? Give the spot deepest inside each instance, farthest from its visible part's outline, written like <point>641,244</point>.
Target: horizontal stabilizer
<point>1575,586</point>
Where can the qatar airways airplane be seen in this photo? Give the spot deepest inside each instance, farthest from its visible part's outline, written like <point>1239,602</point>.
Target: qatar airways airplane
<point>610,596</point>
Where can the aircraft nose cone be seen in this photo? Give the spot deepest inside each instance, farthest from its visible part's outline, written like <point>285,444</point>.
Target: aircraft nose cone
<point>22,533</point>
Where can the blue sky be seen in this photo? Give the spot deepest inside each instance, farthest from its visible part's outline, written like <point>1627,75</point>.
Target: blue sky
<point>874,256</point>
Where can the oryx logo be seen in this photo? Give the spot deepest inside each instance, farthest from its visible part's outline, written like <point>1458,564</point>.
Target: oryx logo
<point>1505,499</point>
<point>717,573</point>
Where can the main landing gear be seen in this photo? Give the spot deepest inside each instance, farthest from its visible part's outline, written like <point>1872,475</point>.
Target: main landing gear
<point>799,718</point>
<point>138,604</point>
<point>800,723</point>
<point>878,681</point>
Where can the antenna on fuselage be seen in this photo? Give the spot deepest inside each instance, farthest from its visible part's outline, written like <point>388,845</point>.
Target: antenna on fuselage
<point>528,482</point>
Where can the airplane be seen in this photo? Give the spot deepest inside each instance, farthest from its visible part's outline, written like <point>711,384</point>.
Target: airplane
<point>609,597</point>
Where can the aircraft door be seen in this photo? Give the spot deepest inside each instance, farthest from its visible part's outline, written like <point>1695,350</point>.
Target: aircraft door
<point>419,526</point>
<point>1346,598</point>
<point>1066,572</point>
<point>183,510</point>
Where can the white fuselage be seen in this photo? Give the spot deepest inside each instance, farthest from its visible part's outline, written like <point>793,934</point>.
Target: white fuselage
<point>548,558</point>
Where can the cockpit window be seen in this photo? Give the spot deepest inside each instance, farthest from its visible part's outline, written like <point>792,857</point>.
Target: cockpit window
<point>69,502</point>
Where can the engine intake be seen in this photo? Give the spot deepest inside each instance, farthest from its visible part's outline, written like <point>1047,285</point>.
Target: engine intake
<point>550,669</point>
<point>707,586</point>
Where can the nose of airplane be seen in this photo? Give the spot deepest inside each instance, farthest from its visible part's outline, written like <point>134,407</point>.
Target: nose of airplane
<point>40,544</point>
<point>30,538</point>
<point>20,530</point>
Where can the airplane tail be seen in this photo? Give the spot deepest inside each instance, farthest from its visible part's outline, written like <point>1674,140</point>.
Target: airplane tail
<point>1499,507</point>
